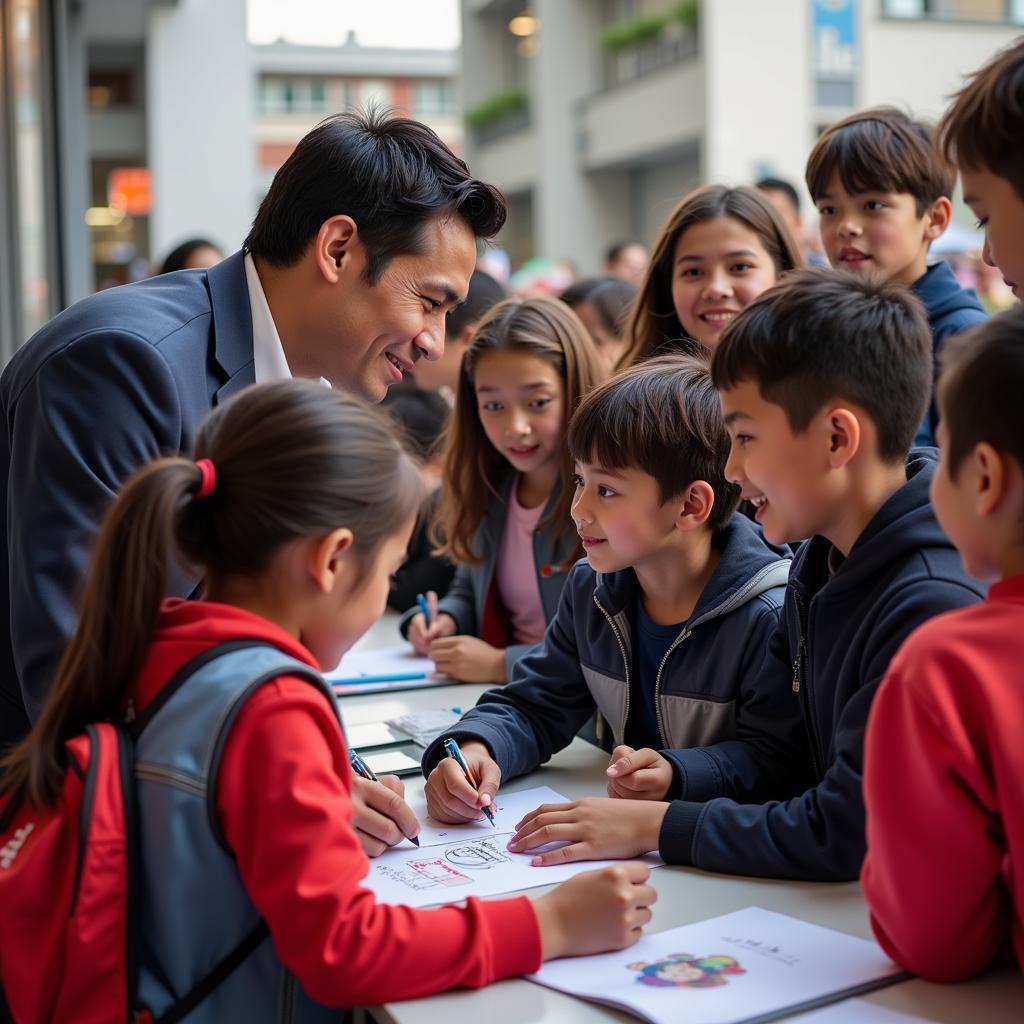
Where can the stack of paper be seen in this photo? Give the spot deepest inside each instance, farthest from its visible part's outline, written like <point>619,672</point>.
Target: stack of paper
<point>425,726</point>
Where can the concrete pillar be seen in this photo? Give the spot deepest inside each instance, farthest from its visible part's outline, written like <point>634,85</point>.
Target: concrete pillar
<point>201,93</point>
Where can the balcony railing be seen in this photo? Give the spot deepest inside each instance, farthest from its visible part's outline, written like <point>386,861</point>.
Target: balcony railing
<point>637,62</point>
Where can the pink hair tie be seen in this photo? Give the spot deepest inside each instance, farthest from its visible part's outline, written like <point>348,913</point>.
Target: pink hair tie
<point>208,479</point>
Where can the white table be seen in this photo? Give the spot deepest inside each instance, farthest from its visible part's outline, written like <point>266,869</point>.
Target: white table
<point>685,895</point>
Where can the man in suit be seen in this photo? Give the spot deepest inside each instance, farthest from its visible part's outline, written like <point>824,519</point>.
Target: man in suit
<point>364,242</point>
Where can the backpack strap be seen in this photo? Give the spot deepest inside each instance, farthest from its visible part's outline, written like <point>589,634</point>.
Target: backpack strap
<point>184,1006</point>
<point>287,666</point>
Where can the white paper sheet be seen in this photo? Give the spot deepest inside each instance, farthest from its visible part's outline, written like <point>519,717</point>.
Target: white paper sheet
<point>401,660</point>
<point>857,1011</point>
<point>456,861</point>
<point>741,967</point>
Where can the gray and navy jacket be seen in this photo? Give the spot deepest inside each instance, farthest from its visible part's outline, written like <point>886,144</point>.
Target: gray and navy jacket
<point>799,744</point>
<point>586,661</point>
<point>951,309</point>
<point>473,601</point>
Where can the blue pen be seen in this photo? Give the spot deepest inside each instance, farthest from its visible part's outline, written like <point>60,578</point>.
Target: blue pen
<point>424,607</point>
<point>455,754</point>
<point>387,677</point>
<point>360,767</point>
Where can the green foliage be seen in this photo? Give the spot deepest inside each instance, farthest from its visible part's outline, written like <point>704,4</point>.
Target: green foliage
<point>646,28</point>
<point>496,106</point>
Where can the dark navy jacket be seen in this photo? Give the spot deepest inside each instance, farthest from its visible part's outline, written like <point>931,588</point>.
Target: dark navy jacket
<point>800,746</point>
<point>951,309</point>
<point>586,659</point>
<point>113,382</point>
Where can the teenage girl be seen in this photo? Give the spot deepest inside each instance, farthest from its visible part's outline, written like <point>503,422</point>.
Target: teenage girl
<point>503,515</point>
<point>299,507</point>
<point>719,249</point>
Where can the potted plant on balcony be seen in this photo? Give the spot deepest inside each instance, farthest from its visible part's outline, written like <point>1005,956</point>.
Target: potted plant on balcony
<point>507,106</point>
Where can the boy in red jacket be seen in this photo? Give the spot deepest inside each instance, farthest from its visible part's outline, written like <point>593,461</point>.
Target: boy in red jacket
<point>944,761</point>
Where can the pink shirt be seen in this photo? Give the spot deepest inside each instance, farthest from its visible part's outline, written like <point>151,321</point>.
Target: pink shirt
<point>516,574</point>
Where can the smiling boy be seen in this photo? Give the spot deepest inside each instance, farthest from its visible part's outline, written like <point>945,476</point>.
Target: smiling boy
<point>983,134</point>
<point>822,381</point>
<point>882,192</point>
<point>662,624</point>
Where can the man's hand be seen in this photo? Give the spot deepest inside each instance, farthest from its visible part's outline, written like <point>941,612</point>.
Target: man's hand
<point>638,774</point>
<point>468,659</point>
<point>595,828</point>
<point>380,815</point>
<point>449,795</point>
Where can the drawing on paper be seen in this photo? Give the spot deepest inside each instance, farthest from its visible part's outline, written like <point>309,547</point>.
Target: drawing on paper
<point>479,853</point>
<point>681,970</point>
<point>424,874</point>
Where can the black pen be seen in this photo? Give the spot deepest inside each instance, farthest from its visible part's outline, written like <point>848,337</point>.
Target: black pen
<point>361,768</point>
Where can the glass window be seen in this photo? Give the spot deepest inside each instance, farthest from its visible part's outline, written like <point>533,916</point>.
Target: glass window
<point>433,99</point>
<point>292,96</point>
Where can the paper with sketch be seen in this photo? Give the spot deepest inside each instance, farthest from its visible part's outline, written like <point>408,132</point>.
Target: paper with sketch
<point>857,1011</point>
<point>743,967</point>
<point>456,861</point>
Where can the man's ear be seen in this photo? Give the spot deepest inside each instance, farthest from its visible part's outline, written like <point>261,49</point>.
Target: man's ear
<point>335,246</point>
<point>937,218</point>
<point>327,558</point>
<point>695,505</point>
<point>842,430</point>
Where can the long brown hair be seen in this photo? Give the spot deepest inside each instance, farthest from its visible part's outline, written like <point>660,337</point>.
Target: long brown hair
<point>473,468</point>
<point>654,323</point>
<point>292,459</point>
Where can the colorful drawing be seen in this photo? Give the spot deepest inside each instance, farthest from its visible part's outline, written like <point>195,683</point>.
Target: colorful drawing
<point>423,874</point>
<point>681,970</point>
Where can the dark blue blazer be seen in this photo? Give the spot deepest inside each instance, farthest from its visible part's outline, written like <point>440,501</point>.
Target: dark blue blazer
<point>113,382</point>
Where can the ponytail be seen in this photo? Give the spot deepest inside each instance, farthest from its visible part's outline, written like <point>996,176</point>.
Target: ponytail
<point>280,461</point>
<point>118,612</point>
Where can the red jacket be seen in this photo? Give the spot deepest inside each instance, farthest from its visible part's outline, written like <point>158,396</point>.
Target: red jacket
<point>944,788</point>
<point>284,807</point>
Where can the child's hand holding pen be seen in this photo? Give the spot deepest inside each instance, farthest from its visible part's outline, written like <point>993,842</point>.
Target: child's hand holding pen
<point>451,797</point>
<point>428,624</point>
<point>380,815</point>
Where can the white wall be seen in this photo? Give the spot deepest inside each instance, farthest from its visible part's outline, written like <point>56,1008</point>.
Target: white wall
<point>918,64</point>
<point>200,87</point>
<point>758,89</point>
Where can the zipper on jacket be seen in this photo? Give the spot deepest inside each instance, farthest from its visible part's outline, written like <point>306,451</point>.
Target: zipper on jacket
<point>685,635</point>
<point>625,665</point>
<point>800,665</point>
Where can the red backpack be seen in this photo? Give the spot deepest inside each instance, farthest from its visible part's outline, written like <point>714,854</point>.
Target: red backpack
<point>78,960</point>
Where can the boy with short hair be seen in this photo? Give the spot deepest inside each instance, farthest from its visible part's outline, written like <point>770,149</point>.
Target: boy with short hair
<point>944,763</point>
<point>882,191</point>
<point>662,623</point>
<point>983,134</point>
<point>822,381</point>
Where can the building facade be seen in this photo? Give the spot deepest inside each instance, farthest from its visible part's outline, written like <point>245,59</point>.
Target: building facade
<point>597,115</point>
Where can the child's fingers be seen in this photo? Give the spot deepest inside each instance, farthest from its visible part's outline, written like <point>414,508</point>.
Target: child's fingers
<point>386,803</point>
<point>432,604</point>
<point>489,777</point>
<point>631,762</point>
<point>543,809</point>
